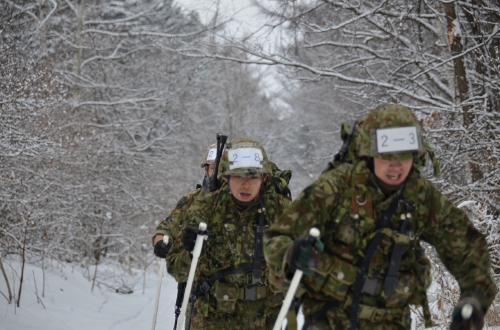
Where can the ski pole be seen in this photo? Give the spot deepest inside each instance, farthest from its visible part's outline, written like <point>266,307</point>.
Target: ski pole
<point>297,276</point>
<point>163,264</point>
<point>178,302</point>
<point>196,254</point>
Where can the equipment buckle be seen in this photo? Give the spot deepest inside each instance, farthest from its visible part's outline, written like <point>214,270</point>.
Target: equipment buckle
<point>370,286</point>
<point>249,279</point>
<point>205,287</point>
<point>378,315</point>
<point>373,314</point>
<point>250,293</point>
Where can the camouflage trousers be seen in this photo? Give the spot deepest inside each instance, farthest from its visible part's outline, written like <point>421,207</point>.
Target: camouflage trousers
<point>248,315</point>
<point>338,319</point>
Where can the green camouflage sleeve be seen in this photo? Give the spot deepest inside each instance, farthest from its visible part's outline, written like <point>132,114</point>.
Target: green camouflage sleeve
<point>171,225</point>
<point>311,209</point>
<point>178,259</point>
<point>461,247</point>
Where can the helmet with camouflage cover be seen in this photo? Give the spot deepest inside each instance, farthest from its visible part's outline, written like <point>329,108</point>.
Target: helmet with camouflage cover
<point>210,155</point>
<point>390,132</point>
<point>242,157</point>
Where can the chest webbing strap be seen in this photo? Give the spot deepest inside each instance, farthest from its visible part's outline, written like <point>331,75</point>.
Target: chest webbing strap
<point>391,278</point>
<point>364,263</point>
<point>258,252</point>
<point>255,266</point>
<point>362,269</point>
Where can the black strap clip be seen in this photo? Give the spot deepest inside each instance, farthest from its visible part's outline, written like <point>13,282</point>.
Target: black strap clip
<point>205,287</point>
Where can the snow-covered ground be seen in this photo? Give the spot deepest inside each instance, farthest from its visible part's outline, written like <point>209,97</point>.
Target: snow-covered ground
<point>69,304</point>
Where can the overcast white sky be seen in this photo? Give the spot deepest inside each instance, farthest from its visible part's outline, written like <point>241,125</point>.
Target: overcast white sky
<point>246,17</point>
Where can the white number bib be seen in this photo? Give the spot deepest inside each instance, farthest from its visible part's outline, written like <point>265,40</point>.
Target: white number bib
<point>212,154</point>
<point>397,139</point>
<point>245,157</point>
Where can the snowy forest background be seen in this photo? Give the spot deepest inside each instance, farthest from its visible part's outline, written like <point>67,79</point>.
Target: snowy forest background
<point>106,108</point>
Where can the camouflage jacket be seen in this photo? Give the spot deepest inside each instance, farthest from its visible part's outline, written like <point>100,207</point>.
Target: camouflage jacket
<point>343,204</point>
<point>172,224</point>
<point>231,236</point>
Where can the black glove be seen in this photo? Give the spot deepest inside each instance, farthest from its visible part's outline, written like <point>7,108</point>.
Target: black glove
<point>189,238</point>
<point>161,249</point>
<point>467,315</point>
<point>304,254</point>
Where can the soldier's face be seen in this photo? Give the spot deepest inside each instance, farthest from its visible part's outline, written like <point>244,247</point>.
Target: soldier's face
<point>392,172</point>
<point>245,189</point>
<point>209,170</point>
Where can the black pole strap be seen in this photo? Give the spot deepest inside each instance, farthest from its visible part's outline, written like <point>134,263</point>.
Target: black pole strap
<point>192,299</point>
<point>181,288</point>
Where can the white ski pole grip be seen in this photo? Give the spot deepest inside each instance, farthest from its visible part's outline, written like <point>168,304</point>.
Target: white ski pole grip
<point>194,262</point>
<point>467,311</point>
<point>297,276</point>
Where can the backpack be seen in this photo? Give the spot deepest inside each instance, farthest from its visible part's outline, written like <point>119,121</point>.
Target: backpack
<point>280,181</point>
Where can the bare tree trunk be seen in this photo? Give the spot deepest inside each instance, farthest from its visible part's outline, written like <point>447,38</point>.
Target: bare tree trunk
<point>484,65</point>
<point>6,281</point>
<point>22,265</point>
<point>97,255</point>
<point>43,272</point>
<point>78,53</point>
<point>461,77</point>
<point>144,280</point>
<point>43,30</point>
<point>36,291</point>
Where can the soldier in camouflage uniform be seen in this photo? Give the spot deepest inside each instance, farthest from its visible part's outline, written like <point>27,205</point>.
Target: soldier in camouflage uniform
<point>346,204</point>
<point>231,271</point>
<point>170,226</point>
